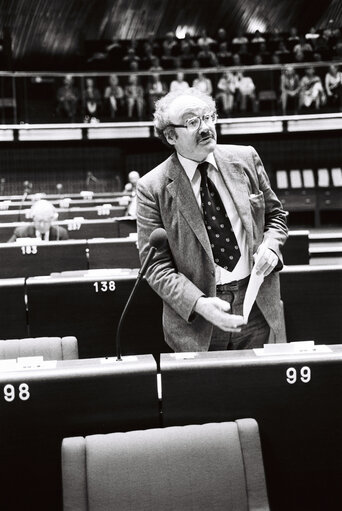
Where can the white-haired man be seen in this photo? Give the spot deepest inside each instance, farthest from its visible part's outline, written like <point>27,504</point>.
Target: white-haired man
<point>220,213</point>
<point>43,214</point>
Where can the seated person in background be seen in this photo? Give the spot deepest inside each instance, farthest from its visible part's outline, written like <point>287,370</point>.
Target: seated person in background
<point>236,59</point>
<point>258,38</point>
<point>130,57</point>
<point>67,98</point>
<point>114,96</point>
<point>293,38</point>
<point>156,90</point>
<point>131,187</point>
<point>179,83</point>
<point>282,52</point>
<point>187,54</point>
<point>289,86</point>
<point>245,55</point>
<point>148,56</point>
<point>156,67</point>
<point>206,57</point>
<point>43,214</point>
<point>203,84</point>
<point>133,178</point>
<point>311,90</point>
<point>225,97</point>
<point>169,43</point>
<point>303,46</point>
<point>239,39</point>
<point>92,100</point>
<point>167,60</point>
<point>134,94</point>
<point>246,90</point>
<point>205,41</point>
<point>333,86</point>
<point>224,57</point>
<point>221,36</point>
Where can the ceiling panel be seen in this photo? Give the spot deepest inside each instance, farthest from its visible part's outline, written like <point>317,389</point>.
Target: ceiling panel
<point>58,28</point>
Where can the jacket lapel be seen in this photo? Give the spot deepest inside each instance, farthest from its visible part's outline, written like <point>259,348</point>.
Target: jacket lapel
<point>181,191</point>
<point>236,182</point>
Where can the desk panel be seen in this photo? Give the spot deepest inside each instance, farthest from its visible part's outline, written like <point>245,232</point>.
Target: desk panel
<point>45,405</point>
<point>113,253</point>
<point>312,297</point>
<point>13,309</point>
<point>90,307</point>
<point>294,398</point>
<point>18,260</point>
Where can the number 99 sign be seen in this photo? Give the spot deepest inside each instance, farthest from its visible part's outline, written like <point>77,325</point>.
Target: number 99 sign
<point>304,375</point>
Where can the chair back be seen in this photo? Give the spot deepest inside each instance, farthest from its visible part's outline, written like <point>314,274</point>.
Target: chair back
<point>50,348</point>
<point>216,466</point>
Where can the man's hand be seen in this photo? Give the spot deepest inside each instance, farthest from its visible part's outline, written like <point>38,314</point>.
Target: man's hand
<point>265,260</point>
<point>216,312</point>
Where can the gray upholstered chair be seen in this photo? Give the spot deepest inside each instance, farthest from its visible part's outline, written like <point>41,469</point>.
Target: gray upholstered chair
<point>216,466</point>
<point>50,348</point>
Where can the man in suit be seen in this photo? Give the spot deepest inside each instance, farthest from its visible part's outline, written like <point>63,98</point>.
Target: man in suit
<point>220,215</point>
<point>43,213</point>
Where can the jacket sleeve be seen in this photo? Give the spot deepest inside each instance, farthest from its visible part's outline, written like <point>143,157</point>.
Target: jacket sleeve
<point>275,231</point>
<point>172,286</point>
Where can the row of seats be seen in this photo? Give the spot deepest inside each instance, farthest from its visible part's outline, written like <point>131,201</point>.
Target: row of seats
<point>34,259</point>
<point>289,390</point>
<point>88,305</point>
<point>21,215</point>
<point>81,228</point>
<point>64,203</point>
<point>56,256</point>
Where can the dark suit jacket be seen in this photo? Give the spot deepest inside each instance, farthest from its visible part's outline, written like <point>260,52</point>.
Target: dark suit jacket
<point>57,233</point>
<point>185,270</point>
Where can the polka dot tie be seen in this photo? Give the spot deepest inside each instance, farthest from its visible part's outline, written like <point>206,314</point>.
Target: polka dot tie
<point>223,242</point>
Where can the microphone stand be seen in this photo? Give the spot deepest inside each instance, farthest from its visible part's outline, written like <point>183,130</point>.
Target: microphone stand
<point>141,273</point>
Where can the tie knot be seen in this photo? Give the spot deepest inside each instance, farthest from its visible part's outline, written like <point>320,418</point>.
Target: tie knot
<point>203,168</point>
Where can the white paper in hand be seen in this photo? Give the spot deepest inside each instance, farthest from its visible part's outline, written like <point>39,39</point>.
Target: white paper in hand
<point>254,284</point>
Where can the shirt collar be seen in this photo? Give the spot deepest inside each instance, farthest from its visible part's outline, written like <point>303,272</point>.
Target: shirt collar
<point>190,166</point>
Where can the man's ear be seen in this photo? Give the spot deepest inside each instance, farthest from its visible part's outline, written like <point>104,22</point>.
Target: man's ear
<point>170,135</point>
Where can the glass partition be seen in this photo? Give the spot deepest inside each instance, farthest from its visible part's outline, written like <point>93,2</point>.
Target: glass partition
<point>242,91</point>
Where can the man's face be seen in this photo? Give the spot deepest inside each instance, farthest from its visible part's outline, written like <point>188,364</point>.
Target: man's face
<point>42,221</point>
<point>195,145</point>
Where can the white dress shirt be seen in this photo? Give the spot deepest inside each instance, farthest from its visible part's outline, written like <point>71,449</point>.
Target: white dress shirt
<point>241,270</point>
<point>44,237</point>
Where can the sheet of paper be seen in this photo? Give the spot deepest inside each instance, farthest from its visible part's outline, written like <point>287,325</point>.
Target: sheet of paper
<point>254,284</point>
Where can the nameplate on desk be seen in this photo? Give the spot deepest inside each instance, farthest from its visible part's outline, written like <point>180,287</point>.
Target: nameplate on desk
<point>292,348</point>
<point>36,362</point>
<point>111,360</point>
<point>184,356</point>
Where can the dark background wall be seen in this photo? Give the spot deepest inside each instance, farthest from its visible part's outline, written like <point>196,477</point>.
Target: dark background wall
<point>47,163</point>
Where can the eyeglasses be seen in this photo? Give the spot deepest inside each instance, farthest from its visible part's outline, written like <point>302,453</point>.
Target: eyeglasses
<point>194,123</point>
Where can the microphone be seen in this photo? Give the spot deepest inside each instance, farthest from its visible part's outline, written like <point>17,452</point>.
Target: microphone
<point>157,241</point>
<point>27,189</point>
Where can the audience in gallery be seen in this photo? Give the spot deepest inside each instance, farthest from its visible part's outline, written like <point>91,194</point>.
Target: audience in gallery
<point>237,91</point>
<point>315,45</point>
<point>156,66</point>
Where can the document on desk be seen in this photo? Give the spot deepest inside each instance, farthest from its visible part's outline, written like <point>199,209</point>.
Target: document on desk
<point>254,284</point>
